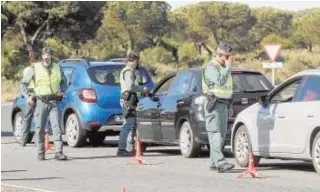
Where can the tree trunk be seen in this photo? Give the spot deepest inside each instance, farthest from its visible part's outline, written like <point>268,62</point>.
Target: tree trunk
<point>131,42</point>
<point>214,36</point>
<point>310,47</point>
<point>26,42</point>
<point>208,49</point>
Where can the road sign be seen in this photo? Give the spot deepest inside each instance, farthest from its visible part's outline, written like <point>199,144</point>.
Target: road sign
<point>273,65</point>
<point>272,50</point>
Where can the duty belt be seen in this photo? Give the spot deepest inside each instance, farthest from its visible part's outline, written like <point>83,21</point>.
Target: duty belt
<point>48,98</point>
<point>219,100</point>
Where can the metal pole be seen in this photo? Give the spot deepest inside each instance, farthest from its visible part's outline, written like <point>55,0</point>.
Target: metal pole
<point>273,76</point>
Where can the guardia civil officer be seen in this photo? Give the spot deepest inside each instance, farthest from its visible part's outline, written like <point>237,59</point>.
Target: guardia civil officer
<point>130,89</point>
<point>29,108</point>
<point>49,87</point>
<point>217,86</point>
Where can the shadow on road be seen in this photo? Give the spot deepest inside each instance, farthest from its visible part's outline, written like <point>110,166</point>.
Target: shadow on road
<point>11,171</point>
<point>306,167</point>
<point>6,134</point>
<point>31,179</point>
<point>94,157</point>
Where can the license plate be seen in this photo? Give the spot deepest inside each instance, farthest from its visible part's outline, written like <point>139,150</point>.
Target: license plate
<point>118,118</point>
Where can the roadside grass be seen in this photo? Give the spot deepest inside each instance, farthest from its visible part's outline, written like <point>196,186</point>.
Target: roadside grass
<point>9,90</point>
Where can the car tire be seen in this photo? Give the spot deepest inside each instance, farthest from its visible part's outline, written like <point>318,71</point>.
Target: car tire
<point>96,138</point>
<point>188,145</point>
<point>242,147</point>
<point>76,135</point>
<point>316,153</point>
<point>17,126</point>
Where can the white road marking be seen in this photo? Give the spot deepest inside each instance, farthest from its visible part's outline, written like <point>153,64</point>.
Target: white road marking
<point>29,188</point>
<point>6,104</point>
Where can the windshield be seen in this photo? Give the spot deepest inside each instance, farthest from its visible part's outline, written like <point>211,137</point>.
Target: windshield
<point>110,75</point>
<point>248,82</point>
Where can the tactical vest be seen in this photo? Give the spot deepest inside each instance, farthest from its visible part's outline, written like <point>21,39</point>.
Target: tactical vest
<point>122,82</point>
<point>45,83</point>
<point>224,91</point>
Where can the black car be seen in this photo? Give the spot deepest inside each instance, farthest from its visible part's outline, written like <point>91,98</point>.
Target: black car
<point>175,115</point>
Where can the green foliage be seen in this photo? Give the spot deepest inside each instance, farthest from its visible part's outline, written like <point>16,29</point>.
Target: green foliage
<point>271,20</point>
<point>307,26</point>
<point>273,38</point>
<point>167,40</point>
<point>61,51</point>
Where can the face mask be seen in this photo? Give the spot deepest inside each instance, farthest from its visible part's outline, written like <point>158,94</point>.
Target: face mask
<point>47,62</point>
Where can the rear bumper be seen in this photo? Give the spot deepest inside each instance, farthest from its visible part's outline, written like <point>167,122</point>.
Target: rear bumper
<point>96,118</point>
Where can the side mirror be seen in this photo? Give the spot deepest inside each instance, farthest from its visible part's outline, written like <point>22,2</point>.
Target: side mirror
<point>263,100</point>
<point>155,98</point>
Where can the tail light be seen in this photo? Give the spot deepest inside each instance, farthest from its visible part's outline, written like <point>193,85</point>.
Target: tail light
<point>88,95</point>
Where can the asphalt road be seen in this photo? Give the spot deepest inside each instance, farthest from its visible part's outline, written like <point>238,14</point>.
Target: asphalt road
<point>98,169</point>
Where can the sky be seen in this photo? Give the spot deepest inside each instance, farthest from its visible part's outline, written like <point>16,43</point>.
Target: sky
<point>285,5</point>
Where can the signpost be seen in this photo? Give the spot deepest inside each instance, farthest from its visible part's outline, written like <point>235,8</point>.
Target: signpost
<point>272,51</point>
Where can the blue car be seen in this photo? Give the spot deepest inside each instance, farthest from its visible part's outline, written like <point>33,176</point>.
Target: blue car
<point>91,108</point>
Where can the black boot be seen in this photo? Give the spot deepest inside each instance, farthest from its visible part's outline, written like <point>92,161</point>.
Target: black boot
<point>60,156</point>
<point>213,167</point>
<point>41,156</point>
<point>124,153</point>
<point>225,167</point>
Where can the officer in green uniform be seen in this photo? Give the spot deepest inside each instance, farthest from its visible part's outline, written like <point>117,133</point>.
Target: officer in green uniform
<point>49,87</point>
<point>129,82</point>
<point>217,86</point>
<point>29,109</point>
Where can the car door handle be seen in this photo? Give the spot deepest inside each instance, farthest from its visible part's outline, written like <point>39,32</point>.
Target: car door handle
<point>180,102</point>
<point>281,116</point>
<point>310,115</point>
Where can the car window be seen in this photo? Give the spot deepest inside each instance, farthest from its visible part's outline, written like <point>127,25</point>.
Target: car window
<point>181,84</point>
<point>164,88</point>
<point>250,82</point>
<point>310,90</point>
<point>68,71</point>
<point>287,93</point>
<point>110,75</point>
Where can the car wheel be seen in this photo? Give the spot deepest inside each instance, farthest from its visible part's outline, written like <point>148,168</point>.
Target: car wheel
<point>17,126</point>
<point>96,138</point>
<point>188,145</point>
<point>242,147</point>
<point>76,135</point>
<point>316,153</point>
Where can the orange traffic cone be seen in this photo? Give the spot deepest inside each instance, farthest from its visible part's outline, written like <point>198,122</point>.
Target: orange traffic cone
<point>123,189</point>
<point>48,147</point>
<point>138,156</point>
<point>251,171</point>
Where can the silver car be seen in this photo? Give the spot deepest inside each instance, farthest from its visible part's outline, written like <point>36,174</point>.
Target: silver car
<point>285,124</point>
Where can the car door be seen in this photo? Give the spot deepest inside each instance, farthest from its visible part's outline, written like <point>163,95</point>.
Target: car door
<point>148,112</point>
<point>299,118</point>
<point>174,102</point>
<point>272,118</point>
